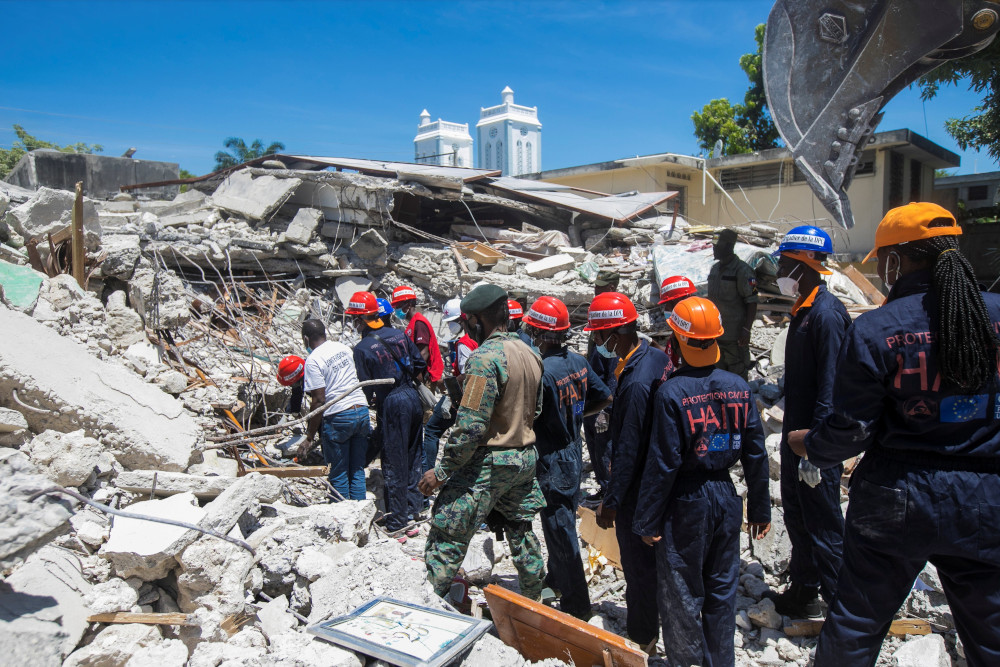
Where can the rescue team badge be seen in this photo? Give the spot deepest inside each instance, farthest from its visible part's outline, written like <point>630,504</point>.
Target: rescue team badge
<point>920,409</point>
<point>957,409</point>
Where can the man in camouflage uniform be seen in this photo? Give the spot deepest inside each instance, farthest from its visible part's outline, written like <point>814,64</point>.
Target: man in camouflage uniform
<point>732,287</point>
<point>488,465</point>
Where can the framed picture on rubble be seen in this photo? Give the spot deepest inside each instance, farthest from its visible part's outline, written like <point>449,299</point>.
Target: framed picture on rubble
<point>402,633</point>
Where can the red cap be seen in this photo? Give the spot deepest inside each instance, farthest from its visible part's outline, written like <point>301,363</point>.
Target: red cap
<point>610,310</point>
<point>362,303</point>
<point>548,313</point>
<point>290,370</point>
<point>401,294</point>
<point>514,309</point>
<point>676,287</point>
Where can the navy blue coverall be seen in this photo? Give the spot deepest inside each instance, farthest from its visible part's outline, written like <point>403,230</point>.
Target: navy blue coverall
<point>928,488</point>
<point>704,421</point>
<point>569,385</point>
<point>628,433</point>
<point>813,517</point>
<point>399,430</point>
<point>597,442</point>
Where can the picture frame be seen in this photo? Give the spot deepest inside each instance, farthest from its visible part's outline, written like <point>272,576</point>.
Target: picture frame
<point>402,633</point>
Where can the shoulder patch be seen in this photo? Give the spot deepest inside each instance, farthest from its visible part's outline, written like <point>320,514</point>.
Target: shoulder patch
<point>472,397</point>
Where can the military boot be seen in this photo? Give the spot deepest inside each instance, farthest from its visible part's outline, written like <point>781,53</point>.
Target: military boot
<point>799,602</point>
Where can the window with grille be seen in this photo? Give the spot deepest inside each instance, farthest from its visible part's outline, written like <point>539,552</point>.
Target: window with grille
<point>489,151</point>
<point>895,180</point>
<point>531,161</point>
<point>500,155</point>
<point>752,176</point>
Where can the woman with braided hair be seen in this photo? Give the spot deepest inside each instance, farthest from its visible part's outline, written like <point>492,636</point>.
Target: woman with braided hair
<point>917,390</point>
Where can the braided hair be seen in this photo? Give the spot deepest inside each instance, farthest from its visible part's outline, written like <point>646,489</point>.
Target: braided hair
<point>967,344</point>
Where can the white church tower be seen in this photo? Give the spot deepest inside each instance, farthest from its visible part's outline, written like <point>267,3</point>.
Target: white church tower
<point>509,137</point>
<point>442,143</point>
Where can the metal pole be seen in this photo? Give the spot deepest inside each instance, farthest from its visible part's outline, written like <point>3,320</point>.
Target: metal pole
<point>78,253</point>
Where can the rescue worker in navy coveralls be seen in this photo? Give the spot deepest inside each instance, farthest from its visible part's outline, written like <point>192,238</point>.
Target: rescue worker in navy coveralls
<point>570,390</point>
<point>640,370</point>
<point>917,390</point>
<point>488,466</point>
<point>516,313</point>
<point>810,498</point>
<point>704,421</point>
<point>595,427</point>
<point>385,352</point>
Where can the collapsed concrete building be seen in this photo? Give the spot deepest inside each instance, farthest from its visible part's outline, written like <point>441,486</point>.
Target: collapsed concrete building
<point>122,391</point>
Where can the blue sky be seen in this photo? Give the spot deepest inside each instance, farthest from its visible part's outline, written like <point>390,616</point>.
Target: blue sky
<point>174,79</point>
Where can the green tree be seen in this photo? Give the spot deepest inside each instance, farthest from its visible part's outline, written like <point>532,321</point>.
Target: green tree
<point>980,129</point>
<point>26,143</point>
<point>240,153</point>
<point>743,128</point>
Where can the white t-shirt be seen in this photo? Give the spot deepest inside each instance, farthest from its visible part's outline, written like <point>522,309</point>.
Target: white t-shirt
<point>331,366</point>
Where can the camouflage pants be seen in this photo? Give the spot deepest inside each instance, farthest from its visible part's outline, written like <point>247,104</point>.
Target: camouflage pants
<point>501,479</point>
<point>734,358</point>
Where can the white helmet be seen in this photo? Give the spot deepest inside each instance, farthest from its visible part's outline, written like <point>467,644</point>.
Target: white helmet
<point>452,310</point>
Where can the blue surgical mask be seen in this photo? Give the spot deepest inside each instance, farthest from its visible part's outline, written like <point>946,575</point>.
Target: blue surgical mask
<point>455,329</point>
<point>605,352</point>
<point>401,314</point>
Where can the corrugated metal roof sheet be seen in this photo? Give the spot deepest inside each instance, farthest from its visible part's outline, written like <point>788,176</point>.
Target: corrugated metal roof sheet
<point>382,168</point>
<point>616,208</point>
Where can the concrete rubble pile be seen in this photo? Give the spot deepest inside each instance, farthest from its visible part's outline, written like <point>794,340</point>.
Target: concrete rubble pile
<point>112,390</point>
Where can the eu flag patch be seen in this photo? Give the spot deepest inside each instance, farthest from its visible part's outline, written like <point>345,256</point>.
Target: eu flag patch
<point>956,409</point>
<point>719,443</point>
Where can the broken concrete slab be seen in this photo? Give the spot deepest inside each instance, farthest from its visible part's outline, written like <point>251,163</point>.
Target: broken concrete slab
<point>927,651</point>
<point>68,459</point>
<point>346,286</point>
<point>11,420</point>
<point>346,521</point>
<point>123,325</point>
<point>28,524</point>
<point>115,645</point>
<point>170,483</point>
<point>20,284</point>
<point>774,550</point>
<point>550,266</point>
<point>764,615</point>
<point>45,606</point>
<point>308,650</point>
<point>159,298</point>
<point>274,617</point>
<point>113,595</point>
<point>370,245</point>
<point>61,291</point>
<point>302,226</point>
<point>50,210</point>
<point>213,574</point>
<point>254,197</point>
<point>139,424</point>
<point>168,653</point>
<point>145,549</point>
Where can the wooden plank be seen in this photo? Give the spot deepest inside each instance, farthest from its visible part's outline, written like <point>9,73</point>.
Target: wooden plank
<point>870,291</point>
<point>604,540</point>
<point>292,471</point>
<point>899,628</point>
<point>234,623</point>
<point>539,632</point>
<point>145,619</point>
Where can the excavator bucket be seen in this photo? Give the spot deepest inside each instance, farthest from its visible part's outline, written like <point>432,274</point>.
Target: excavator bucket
<point>831,66</point>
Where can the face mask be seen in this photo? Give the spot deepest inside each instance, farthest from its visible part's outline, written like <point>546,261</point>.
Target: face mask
<point>789,286</point>
<point>455,329</point>
<point>605,352</point>
<point>401,314</point>
<point>309,350</point>
<point>666,315</point>
<point>885,278</point>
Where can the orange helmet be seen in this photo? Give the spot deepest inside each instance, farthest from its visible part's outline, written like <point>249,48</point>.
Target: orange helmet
<point>514,309</point>
<point>401,294</point>
<point>362,303</point>
<point>676,287</point>
<point>548,313</point>
<point>696,318</point>
<point>610,310</point>
<point>290,370</point>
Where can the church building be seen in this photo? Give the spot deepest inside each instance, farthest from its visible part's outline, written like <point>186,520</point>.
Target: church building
<point>509,137</point>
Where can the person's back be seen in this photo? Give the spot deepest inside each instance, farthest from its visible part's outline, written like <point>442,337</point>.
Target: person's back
<point>376,357</point>
<point>331,366</point>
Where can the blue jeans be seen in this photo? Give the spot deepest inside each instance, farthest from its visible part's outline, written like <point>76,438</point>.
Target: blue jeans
<point>344,439</point>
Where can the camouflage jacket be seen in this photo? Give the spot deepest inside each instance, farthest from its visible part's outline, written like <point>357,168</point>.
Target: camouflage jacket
<point>501,397</point>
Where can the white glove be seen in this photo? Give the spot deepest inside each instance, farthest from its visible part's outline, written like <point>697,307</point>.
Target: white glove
<point>809,474</point>
<point>601,423</point>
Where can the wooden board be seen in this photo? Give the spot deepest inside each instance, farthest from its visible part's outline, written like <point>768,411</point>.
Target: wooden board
<point>870,291</point>
<point>483,254</point>
<point>146,619</point>
<point>899,628</point>
<point>603,539</point>
<point>539,632</point>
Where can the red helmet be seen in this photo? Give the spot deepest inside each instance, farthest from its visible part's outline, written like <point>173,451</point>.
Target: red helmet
<point>548,313</point>
<point>401,294</point>
<point>610,310</point>
<point>514,309</point>
<point>362,303</point>
<point>290,370</point>
<point>676,287</point>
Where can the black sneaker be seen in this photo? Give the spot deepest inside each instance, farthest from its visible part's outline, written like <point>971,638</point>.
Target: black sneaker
<point>799,602</point>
